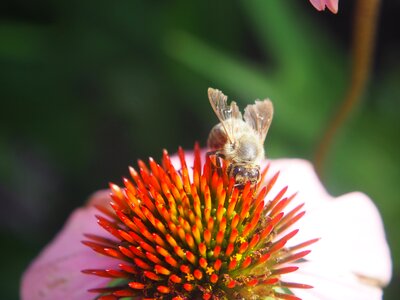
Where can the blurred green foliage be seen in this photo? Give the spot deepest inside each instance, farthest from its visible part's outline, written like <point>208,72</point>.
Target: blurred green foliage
<point>87,87</point>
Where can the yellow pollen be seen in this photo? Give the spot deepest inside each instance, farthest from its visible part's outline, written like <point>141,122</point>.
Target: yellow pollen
<point>189,277</point>
<point>210,270</point>
<point>237,256</point>
<point>241,239</point>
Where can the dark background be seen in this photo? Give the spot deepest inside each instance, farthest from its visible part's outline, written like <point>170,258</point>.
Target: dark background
<point>87,87</point>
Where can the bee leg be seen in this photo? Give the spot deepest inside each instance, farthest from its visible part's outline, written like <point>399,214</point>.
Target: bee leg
<point>218,155</point>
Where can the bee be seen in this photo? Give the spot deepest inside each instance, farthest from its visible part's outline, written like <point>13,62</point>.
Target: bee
<point>240,140</point>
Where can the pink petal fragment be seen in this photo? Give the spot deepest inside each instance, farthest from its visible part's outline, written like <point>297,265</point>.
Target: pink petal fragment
<point>333,5</point>
<point>352,237</point>
<point>331,282</point>
<point>318,4</point>
<point>56,272</point>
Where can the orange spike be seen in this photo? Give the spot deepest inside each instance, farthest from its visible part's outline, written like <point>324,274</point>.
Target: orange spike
<point>191,257</point>
<point>207,213</point>
<point>284,270</point>
<point>252,282</point>
<point>220,193</point>
<point>272,181</point>
<point>234,235</point>
<point>232,264</point>
<point>207,199</point>
<point>151,275</point>
<point>140,263</point>
<point>154,167</point>
<point>243,247</point>
<point>219,238</point>
<point>282,242</point>
<point>232,202</point>
<point>302,245</point>
<point>196,234</point>
<point>210,224</point>
<point>229,250</point>
<point>202,249</point>
<point>175,279</point>
<point>235,221</point>
<point>293,257</point>
<point>147,247</point>
<point>158,240</point>
<point>220,213</point>
<point>178,250</point>
<point>217,251</point>
<point>231,284</point>
<point>199,224</point>
<point>161,270</point>
<point>181,233</point>
<point>163,289</point>
<point>196,165</point>
<point>128,268</point>
<point>137,252</point>
<point>153,258</point>
<point>137,285</point>
<point>282,226</point>
<point>222,224</point>
<point>126,252</point>
<point>171,261</point>
<point>214,278</point>
<point>190,241</point>
<point>246,262</point>
<point>188,287</point>
<point>162,251</point>
<point>207,236</point>
<point>217,264</point>
<point>261,196</point>
<point>198,274</point>
<point>203,262</point>
<point>185,269</point>
<point>254,241</point>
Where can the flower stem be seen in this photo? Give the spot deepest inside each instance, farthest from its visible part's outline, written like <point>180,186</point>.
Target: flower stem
<point>364,29</point>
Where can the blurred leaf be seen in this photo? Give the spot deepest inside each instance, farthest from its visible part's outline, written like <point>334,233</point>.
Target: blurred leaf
<point>25,43</point>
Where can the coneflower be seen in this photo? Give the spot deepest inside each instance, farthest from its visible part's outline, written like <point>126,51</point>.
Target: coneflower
<point>191,234</point>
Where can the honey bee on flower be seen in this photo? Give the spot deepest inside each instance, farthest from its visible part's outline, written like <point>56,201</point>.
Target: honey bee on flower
<point>240,140</point>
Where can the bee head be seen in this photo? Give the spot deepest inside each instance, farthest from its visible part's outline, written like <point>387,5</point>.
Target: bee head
<point>243,174</point>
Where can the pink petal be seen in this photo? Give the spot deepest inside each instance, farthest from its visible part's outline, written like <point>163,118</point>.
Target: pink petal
<point>318,4</point>
<point>352,237</point>
<point>353,248</point>
<point>333,5</point>
<point>331,282</point>
<point>56,272</point>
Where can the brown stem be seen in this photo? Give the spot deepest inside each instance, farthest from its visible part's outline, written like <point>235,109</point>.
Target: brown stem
<point>365,24</point>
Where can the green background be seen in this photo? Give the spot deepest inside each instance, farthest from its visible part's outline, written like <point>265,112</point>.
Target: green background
<point>87,87</point>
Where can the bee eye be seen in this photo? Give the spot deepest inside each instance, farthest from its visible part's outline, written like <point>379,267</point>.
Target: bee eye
<point>255,173</point>
<point>237,170</point>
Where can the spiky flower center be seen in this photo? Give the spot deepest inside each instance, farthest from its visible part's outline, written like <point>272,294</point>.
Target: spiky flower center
<point>180,237</point>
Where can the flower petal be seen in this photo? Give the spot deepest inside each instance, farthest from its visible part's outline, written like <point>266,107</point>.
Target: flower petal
<point>331,282</point>
<point>318,4</point>
<point>352,252</point>
<point>56,272</point>
<point>300,177</point>
<point>352,237</point>
<point>333,5</point>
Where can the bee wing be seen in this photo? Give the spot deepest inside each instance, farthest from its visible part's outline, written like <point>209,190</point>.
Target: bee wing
<point>225,113</point>
<point>259,117</point>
